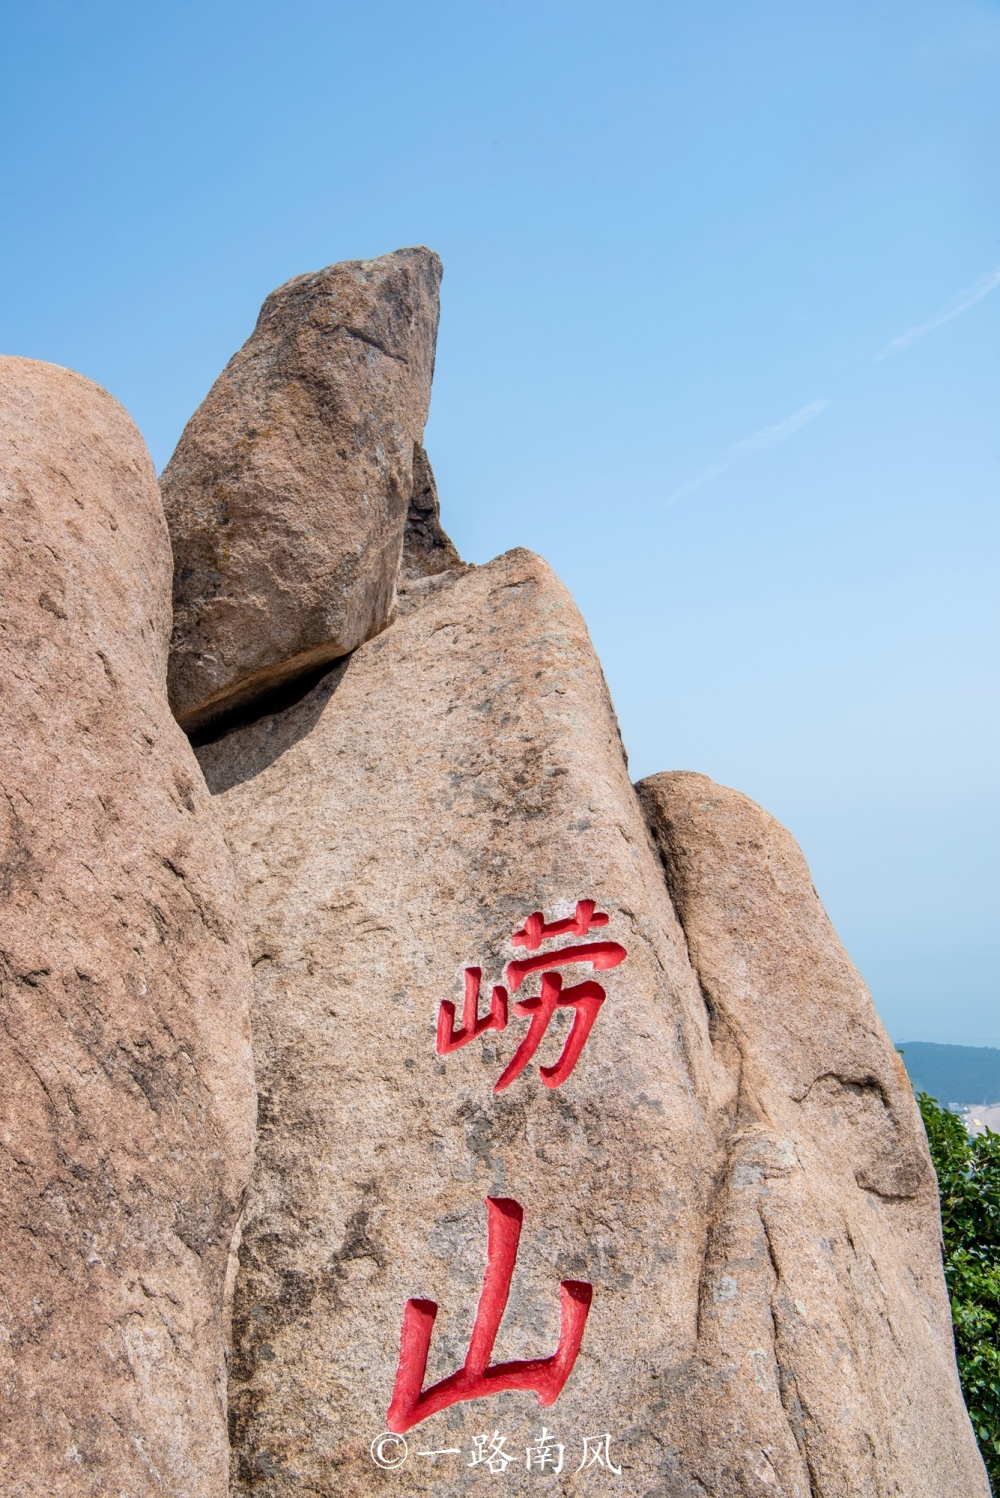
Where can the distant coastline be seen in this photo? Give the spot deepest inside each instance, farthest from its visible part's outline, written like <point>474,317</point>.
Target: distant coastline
<point>963,1077</point>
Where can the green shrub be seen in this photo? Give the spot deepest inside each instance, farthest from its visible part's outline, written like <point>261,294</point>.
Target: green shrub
<point>968,1172</point>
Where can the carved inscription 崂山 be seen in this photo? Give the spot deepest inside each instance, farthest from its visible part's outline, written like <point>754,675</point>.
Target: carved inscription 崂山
<point>546,1376</point>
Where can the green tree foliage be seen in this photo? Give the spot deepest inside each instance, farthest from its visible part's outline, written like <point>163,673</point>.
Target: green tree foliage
<point>968,1172</point>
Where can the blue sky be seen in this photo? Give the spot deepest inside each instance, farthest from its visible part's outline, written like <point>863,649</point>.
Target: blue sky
<point>719,339</point>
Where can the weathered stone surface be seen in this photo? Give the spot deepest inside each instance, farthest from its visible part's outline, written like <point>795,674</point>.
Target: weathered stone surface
<point>288,492</point>
<point>734,1165</point>
<point>127,1119</point>
<point>397,825</point>
<point>823,1266</point>
<point>427,550</point>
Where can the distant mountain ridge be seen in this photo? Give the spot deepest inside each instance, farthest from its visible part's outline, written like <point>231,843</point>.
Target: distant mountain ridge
<point>954,1074</point>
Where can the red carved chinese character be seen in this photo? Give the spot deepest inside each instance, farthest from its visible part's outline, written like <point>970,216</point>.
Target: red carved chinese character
<point>535,931</point>
<point>584,998</point>
<point>600,954</point>
<point>544,1377</point>
<point>448,1038</point>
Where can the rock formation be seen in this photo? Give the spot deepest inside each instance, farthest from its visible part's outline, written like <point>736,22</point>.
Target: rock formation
<point>823,1263</point>
<point>583,1160</point>
<point>288,492</point>
<point>127,1130</point>
<point>734,1165</point>
<point>392,830</point>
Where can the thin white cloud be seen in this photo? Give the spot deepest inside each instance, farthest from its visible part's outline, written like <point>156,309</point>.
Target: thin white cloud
<point>758,443</point>
<point>959,304</point>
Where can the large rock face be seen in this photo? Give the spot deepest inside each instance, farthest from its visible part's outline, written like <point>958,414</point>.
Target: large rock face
<point>288,492</point>
<point>127,1123</point>
<point>393,829</point>
<point>730,1182</point>
<point>823,1262</point>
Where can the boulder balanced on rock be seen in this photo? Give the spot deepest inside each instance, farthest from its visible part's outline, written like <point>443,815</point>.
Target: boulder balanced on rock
<point>128,1095</point>
<point>287,495</point>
